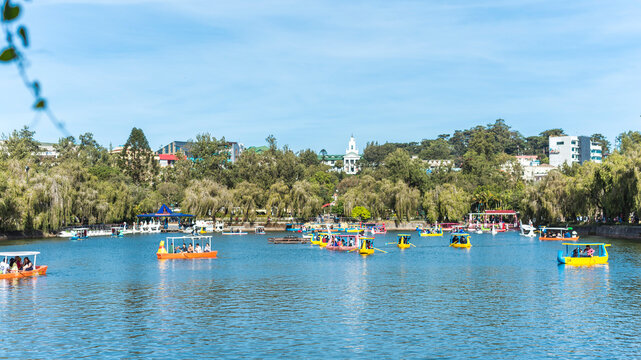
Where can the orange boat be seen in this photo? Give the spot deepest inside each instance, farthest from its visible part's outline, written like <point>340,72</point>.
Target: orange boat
<point>37,270</point>
<point>170,253</point>
<point>558,234</point>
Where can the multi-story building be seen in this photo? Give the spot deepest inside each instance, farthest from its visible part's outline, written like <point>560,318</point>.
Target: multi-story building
<point>166,155</point>
<point>573,149</point>
<point>174,147</point>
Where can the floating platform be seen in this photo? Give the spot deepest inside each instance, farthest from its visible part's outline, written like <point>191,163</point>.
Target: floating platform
<point>288,240</point>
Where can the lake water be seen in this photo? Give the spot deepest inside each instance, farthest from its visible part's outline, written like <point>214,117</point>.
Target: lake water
<point>506,297</point>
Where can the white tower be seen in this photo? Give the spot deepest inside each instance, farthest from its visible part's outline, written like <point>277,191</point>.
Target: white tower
<point>351,157</point>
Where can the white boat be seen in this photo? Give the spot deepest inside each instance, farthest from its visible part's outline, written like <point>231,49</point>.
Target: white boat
<point>527,230</point>
<point>235,230</point>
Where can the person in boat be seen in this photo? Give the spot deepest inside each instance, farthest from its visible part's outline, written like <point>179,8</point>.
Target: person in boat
<point>463,240</point>
<point>207,248</point>
<point>27,265</point>
<point>588,251</point>
<point>190,248</point>
<point>19,262</point>
<point>13,266</point>
<point>568,235</point>
<point>184,248</point>
<point>4,267</point>
<point>455,240</point>
<point>197,249</point>
<point>177,250</point>
<point>575,252</point>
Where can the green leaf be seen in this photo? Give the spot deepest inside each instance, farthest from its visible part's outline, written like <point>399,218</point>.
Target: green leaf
<point>22,31</point>
<point>8,54</point>
<point>40,104</point>
<point>10,12</point>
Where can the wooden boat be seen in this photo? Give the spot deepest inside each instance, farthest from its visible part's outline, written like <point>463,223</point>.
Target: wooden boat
<point>558,234</point>
<point>344,242</point>
<point>404,241</point>
<point>165,252</point>
<point>460,240</point>
<point>290,239</point>
<point>235,231</point>
<point>37,270</point>
<point>591,254</point>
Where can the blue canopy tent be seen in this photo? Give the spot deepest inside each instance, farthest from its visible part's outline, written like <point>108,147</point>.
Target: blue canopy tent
<point>165,213</point>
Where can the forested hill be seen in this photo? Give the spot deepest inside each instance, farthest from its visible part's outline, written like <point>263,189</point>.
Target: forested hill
<point>87,184</point>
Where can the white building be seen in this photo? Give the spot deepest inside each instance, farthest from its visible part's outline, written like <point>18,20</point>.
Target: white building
<point>571,149</point>
<point>351,157</point>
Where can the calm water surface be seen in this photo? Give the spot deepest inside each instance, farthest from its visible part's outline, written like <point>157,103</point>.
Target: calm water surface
<point>506,297</point>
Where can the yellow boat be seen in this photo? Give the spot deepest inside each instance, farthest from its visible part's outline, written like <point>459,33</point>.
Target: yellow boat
<point>316,239</point>
<point>591,254</point>
<point>404,241</point>
<point>367,246</point>
<point>460,240</point>
<point>324,239</point>
<point>437,231</point>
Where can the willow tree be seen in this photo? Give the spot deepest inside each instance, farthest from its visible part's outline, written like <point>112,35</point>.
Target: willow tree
<point>278,197</point>
<point>304,199</point>
<point>247,196</point>
<point>206,198</point>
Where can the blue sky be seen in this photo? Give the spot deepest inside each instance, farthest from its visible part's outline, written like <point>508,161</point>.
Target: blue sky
<point>314,72</point>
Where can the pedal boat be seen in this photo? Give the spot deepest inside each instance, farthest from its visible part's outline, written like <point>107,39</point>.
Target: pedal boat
<point>599,256</point>
<point>462,240</point>
<point>168,253</point>
<point>337,243</point>
<point>364,250</point>
<point>558,234</point>
<point>37,270</point>
<point>404,241</point>
<point>431,232</point>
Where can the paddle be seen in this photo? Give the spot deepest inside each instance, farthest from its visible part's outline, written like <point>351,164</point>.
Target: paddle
<point>352,250</point>
<point>412,244</point>
<point>380,250</point>
<point>390,243</point>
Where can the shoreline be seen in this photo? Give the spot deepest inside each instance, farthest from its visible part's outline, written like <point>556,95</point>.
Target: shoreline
<point>629,232</point>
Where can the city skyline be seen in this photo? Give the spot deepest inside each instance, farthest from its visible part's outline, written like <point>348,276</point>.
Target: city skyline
<point>311,75</point>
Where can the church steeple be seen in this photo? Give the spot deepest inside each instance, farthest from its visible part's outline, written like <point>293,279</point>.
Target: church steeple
<point>352,145</point>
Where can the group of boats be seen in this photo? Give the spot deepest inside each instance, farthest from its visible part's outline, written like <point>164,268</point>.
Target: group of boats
<point>80,233</point>
<point>352,239</point>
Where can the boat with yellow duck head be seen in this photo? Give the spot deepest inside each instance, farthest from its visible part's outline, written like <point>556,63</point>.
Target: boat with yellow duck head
<point>585,254</point>
<point>460,240</point>
<point>403,241</point>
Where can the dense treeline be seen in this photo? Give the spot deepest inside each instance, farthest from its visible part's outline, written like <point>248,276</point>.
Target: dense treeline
<point>86,184</point>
